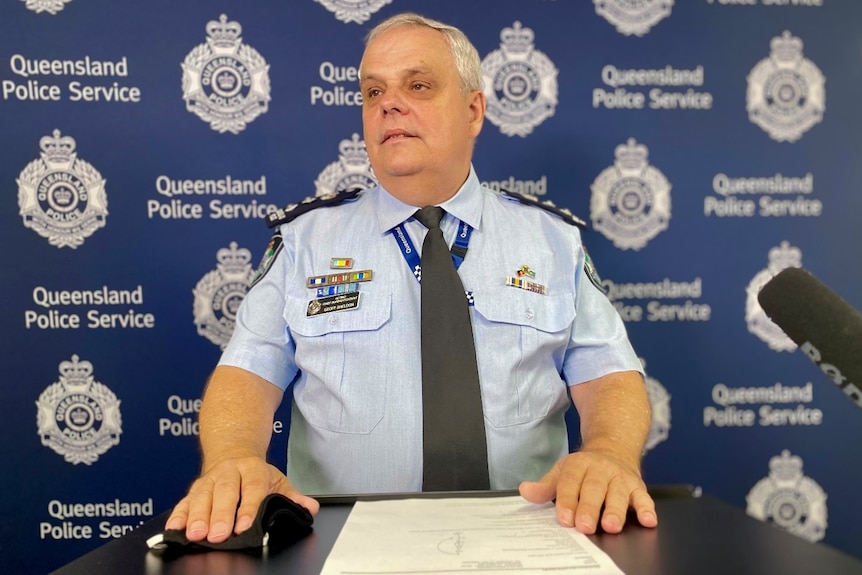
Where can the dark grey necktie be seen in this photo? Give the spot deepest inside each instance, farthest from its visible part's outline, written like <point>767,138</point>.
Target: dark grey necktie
<point>454,447</point>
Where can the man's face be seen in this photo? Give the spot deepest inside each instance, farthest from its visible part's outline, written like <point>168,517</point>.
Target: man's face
<point>417,120</point>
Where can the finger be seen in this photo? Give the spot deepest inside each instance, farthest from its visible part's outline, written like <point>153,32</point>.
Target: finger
<point>199,504</point>
<point>255,486</point>
<point>644,506</point>
<point>286,488</point>
<point>179,515</point>
<point>313,505</point>
<point>569,484</point>
<point>543,490</point>
<point>225,497</point>
<point>616,506</point>
<point>589,504</point>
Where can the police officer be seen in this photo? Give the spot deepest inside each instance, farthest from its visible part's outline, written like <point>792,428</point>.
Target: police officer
<point>542,329</point>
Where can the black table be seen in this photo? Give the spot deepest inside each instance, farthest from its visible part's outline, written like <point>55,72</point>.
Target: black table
<point>696,536</point>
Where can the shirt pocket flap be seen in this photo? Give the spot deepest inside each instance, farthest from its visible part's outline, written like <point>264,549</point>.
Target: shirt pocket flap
<point>373,311</point>
<point>545,312</point>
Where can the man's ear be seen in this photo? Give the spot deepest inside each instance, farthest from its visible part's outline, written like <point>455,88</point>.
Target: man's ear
<point>476,105</point>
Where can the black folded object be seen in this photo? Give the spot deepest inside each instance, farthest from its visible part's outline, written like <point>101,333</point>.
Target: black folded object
<point>279,522</point>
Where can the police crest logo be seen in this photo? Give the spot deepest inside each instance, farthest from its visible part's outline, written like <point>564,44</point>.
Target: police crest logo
<point>78,417</point>
<point>786,93</point>
<point>49,6</point>
<point>630,201</point>
<point>225,82</point>
<point>633,17</point>
<point>520,83</point>
<point>352,170</point>
<point>219,293</point>
<point>789,499</point>
<point>659,401</point>
<point>357,11</point>
<point>783,256</point>
<point>61,197</point>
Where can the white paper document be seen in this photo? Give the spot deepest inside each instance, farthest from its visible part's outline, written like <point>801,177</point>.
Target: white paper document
<point>488,535</point>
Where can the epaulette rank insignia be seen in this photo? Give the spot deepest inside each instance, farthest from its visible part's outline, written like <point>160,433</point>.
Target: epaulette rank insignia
<point>547,205</point>
<point>293,211</point>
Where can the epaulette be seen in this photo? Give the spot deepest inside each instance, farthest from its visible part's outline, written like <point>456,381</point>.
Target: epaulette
<point>547,205</point>
<point>292,211</point>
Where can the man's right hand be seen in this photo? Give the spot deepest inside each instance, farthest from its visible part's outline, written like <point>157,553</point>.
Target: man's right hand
<point>210,512</point>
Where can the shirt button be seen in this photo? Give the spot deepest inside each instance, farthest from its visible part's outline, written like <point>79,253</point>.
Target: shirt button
<point>333,320</point>
<point>528,314</point>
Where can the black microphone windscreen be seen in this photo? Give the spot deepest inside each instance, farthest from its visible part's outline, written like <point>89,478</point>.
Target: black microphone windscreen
<point>826,328</point>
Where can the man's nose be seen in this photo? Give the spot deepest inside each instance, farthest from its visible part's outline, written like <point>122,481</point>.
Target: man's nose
<point>392,102</point>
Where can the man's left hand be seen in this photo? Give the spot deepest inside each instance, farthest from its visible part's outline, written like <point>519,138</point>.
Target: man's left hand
<point>582,482</point>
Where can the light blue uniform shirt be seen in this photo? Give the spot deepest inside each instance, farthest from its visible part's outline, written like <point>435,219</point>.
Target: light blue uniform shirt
<point>356,420</point>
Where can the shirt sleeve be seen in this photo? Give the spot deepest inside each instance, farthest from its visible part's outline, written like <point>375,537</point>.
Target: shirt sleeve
<point>599,343</point>
<point>261,342</point>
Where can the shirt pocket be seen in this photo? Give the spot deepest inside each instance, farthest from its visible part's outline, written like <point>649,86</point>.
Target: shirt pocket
<point>522,338</point>
<point>343,356</point>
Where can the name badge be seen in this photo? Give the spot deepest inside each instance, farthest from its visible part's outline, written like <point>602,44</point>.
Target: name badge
<point>341,302</point>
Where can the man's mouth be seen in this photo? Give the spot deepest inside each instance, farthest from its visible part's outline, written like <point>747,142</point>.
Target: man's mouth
<point>396,135</point>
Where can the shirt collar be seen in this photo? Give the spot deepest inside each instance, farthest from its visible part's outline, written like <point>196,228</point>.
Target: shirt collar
<point>466,205</point>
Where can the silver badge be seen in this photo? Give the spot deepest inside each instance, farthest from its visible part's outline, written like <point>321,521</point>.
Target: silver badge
<point>786,94</point>
<point>351,171</point>
<point>225,82</point>
<point>78,417</point>
<point>758,322</point>
<point>633,17</point>
<point>789,500</point>
<point>49,6</point>
<point>520,83</point>
<point>630,201</point>
<point>357,11</point>
<point>219,293</point>
<point>60,196</point>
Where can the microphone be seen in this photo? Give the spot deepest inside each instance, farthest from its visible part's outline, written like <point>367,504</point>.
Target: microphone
<point>827,329</point>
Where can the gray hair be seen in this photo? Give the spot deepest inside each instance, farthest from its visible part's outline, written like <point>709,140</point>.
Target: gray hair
<point>466,56</point>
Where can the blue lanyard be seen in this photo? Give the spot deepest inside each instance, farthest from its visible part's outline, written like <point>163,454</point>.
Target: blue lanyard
<point>411,256</point>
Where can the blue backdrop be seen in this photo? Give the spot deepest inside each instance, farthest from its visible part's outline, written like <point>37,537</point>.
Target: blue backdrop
<point>708,143</point>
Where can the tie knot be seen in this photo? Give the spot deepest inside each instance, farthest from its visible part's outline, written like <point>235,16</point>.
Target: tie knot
<point>430,216</point>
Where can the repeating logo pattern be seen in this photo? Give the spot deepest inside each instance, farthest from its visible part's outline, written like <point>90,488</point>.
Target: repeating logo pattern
<point>220,292</point>
<point>520,83</point>
<point>357,11</point>
<point>659,400</point>
<point>225,82</point>
<point>61,197</point>
<point>351,171</point>
<point>630,201</point>
<point>789,499</point>
<point>780,257</point>
<point>77,416</point>
<point>49,6</point>
<point>786,92</point>
<point>633,17</point>
<point>67,252</point>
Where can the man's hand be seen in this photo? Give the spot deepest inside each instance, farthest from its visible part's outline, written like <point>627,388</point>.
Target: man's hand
<point>582,482</point>
<point>615,418</point>
<point>235,429</point>
<point>209,509</point>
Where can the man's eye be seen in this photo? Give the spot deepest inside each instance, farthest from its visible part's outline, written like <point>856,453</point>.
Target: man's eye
<point>373,92</point>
